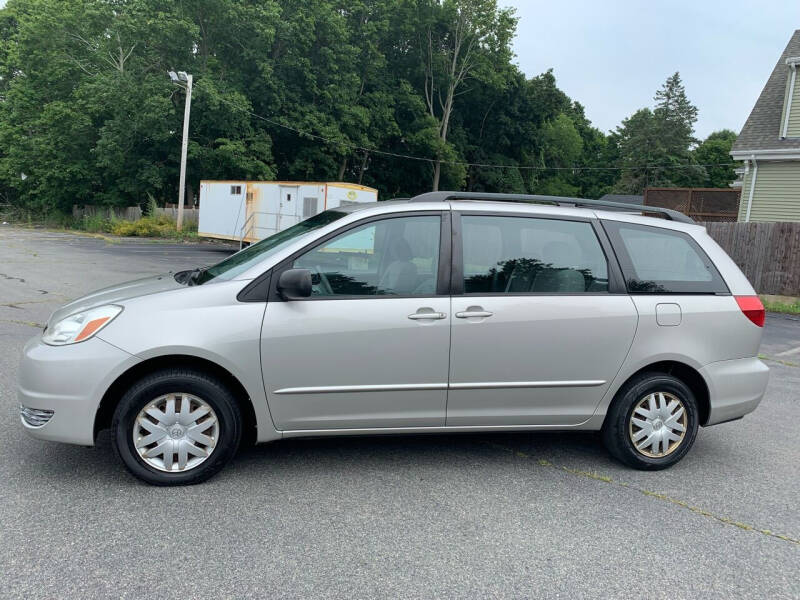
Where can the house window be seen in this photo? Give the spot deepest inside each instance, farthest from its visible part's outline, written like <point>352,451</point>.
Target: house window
<point>236,190</point>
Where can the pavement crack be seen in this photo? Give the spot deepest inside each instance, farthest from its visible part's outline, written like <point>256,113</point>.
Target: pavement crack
<point>18,322</point>
<point>12,278</point>
<point>649,493</point>
<point>43,301</point>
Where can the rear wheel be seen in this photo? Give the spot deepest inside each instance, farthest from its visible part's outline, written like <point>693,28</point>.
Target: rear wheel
<point>652,422</point>
<point>176,427</point>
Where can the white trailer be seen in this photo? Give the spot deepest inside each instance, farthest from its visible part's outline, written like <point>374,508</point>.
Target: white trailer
<point>248,211</point>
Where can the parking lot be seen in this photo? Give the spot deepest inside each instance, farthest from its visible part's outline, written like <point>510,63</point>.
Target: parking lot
<point>513,515</point>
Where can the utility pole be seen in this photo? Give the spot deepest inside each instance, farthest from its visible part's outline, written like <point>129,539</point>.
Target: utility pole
<point>177,78</point>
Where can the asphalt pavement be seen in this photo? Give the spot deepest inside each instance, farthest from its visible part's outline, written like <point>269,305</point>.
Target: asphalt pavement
<point>456,516</point>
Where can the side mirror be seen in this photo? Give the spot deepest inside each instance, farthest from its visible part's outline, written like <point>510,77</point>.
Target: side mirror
<point>295,284</point>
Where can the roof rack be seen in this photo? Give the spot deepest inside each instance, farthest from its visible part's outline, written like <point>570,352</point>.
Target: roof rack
<point>673,215</point>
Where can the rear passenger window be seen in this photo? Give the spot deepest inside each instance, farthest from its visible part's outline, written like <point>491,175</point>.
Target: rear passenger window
<point>520,255</point>
<point>656,260</point>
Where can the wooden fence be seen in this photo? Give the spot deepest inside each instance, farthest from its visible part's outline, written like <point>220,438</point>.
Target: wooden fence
<point>702,204</point>
<point>767,253</point>
<point>133,213</point>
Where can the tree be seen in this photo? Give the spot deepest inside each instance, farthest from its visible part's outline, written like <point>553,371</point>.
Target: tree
<point>395,94</point>
<point>714,153</point>
<point>639,145</point>
<point>655,145</point>
<point>464,40</point>
<point>675,116</point>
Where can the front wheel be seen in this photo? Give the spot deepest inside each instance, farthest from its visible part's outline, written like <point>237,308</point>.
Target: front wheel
<point>176,427</point>
<point>652,422</point>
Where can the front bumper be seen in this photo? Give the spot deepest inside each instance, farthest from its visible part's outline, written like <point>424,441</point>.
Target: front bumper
<point>70,381</point>
<point>735,387</point>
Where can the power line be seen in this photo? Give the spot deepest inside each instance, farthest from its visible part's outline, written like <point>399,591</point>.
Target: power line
<point>352,146</point>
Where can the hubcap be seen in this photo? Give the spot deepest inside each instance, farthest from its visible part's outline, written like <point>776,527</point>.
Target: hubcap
<point>658,424</point>
<point>176,432</point>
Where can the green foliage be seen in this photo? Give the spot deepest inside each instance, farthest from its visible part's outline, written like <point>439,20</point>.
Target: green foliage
<point>93,224</point>
<point>159,226</point>
<point>655,146</point>
<point>562,140</point>
<point>287,89</point>
<point>715,150</point>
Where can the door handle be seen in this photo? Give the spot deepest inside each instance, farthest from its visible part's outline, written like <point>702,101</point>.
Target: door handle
<point>418,316</point>
<point>467,314</point>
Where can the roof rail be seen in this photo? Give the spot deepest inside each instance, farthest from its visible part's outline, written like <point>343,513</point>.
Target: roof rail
<point>673,215</point>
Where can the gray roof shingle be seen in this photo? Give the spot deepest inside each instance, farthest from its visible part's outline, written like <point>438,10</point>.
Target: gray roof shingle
<point>762,129</point>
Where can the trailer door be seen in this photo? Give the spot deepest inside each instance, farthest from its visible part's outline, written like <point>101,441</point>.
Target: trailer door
<point>288,211</point>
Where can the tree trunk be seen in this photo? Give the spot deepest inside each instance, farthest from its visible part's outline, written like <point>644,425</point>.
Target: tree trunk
<point>363,167</point>
<point>447,110</point>
<point>189,199</point>
<point>342,168</point>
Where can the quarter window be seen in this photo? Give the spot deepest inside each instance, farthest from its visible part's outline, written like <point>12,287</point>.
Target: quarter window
<point>657,260</point>
<point>391,257</point>
<point>519,255</point>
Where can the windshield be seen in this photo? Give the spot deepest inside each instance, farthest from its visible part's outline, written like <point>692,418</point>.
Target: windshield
<point>244,259</point>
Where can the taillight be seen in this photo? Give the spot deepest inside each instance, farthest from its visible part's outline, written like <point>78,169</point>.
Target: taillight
<point>752,308</point>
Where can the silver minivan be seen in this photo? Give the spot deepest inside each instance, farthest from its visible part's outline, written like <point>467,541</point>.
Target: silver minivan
<point>448,312</point>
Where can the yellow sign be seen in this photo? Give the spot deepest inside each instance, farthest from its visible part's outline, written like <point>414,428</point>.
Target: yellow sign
<point>351,195</point>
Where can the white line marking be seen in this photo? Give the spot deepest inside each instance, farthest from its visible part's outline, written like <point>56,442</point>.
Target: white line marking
<point>789,352</point>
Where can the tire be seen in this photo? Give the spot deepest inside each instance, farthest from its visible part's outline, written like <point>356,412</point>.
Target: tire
<point>205,435</point>
<point>628,419</point>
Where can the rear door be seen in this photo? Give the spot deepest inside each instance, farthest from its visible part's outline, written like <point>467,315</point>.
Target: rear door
<point>541,321</point>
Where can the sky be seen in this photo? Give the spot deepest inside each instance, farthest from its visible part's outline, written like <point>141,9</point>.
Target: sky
<point>612,55</point>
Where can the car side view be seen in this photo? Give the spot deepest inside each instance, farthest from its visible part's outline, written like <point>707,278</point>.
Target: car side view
<point>448,312</point>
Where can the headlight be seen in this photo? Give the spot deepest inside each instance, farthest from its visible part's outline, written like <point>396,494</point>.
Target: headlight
<point>80,326</point>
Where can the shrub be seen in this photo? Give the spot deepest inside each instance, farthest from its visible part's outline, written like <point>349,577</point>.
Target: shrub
<point>160,226</point>
<point>95,224</point>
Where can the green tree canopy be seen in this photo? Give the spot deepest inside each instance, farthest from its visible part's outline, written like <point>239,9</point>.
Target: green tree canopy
<point>402,95</point>
<point>656,146</point>
<point>714,153</point>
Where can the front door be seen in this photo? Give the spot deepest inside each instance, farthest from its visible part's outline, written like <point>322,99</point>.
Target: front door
<point>370,347</point>
<point>536,336</point>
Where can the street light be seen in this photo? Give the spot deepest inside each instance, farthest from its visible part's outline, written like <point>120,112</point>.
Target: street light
<point>180,78</point>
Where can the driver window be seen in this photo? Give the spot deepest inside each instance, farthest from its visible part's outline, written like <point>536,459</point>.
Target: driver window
<point>392,257</point>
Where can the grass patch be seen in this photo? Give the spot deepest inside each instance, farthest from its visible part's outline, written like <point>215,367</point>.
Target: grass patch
<point>791,308</point>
